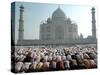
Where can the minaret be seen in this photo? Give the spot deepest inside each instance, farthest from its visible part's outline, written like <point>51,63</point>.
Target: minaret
<point>21,25</point>
<point>93,23</point>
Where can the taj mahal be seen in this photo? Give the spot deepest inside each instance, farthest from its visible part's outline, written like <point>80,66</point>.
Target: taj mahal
<point>57,30</point>
<point>59,27</point>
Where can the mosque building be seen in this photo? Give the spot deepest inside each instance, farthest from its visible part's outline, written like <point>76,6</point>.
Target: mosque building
<point>59,29</point>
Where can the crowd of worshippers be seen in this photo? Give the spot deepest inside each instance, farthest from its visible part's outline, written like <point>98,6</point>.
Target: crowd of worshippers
<point>53,59</point>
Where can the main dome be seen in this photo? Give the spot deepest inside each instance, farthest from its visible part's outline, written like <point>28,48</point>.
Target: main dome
<point>58,13</point>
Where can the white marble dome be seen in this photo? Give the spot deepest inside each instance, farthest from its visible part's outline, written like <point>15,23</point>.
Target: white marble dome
<point>58,13</point>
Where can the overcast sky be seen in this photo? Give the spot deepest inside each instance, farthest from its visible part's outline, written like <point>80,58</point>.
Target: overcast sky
<point>35,13</point>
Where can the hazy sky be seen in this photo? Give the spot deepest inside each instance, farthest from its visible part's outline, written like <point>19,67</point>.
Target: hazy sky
<point>35,13</point>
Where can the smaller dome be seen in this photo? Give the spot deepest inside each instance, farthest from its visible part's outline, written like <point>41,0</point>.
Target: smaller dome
<point>58,13</point>
<point>68,20</point>
<point>48,20</point>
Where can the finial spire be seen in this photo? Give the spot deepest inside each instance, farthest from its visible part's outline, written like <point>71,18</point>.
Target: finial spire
<point>59,6</point>
<point>21,6</point>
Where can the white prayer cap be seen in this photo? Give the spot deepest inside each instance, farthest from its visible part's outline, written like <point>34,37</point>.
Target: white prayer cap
<point>67,65</point>
<point>63,58</point>
<point>58,58</point>
<point>18,66</point>
<point>78,56</point>
<point>38,58</point>
<point>49,58</point>
<point>26,66</point>
<point>69,57</point>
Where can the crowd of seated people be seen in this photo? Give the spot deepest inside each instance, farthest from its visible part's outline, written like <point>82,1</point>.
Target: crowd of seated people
<point>53,59</point>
